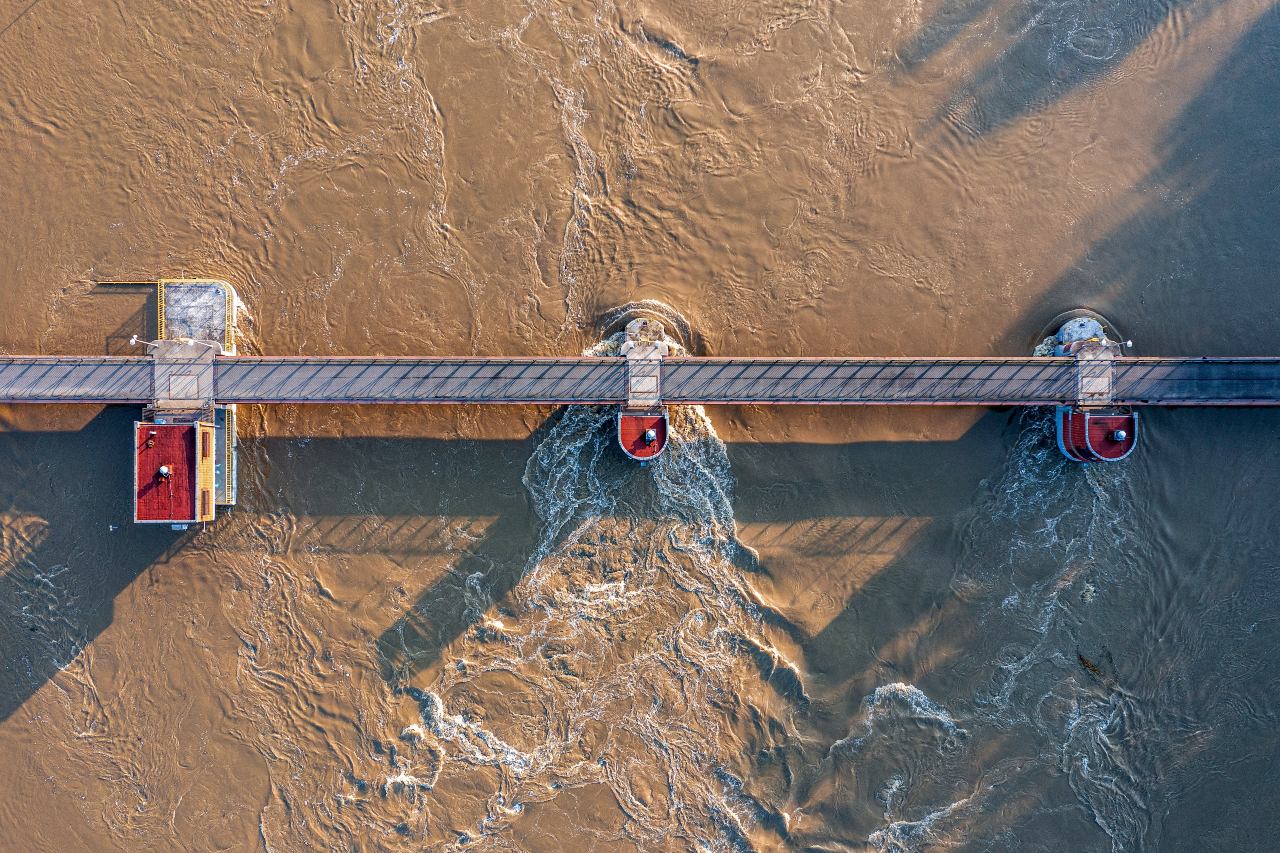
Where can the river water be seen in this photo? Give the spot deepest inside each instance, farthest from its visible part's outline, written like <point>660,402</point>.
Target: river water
<point>801,629</point>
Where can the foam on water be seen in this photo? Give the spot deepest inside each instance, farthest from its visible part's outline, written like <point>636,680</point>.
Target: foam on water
<point>471,742</point>
<point>1044,543</point>
<point>908,836</point>
<point>900,702</point>
<point>635,649</point>
<point>1068,536</point>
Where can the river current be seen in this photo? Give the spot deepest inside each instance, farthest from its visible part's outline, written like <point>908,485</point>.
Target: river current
<point>809,629</point>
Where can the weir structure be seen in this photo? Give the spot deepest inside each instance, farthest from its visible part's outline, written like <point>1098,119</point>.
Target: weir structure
<point>193,376</point>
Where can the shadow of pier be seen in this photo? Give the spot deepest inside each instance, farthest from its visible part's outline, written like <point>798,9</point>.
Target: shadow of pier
<point>70,547</point>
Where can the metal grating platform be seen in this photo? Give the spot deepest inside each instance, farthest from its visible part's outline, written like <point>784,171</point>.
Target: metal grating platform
<point>196,309</point>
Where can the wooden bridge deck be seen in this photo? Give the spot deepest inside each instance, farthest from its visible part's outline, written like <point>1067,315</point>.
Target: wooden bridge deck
<point>806,381</point>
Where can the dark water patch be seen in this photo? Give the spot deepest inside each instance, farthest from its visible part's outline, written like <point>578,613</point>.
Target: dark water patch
<point>1043,52</point>
<point>668,46</point>
<point>1178,270</point>
<point>58,590</point>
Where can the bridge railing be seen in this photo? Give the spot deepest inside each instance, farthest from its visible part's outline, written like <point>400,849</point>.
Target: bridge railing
<point>1025,381</point>
<point>406,380</point>
<point>71,379</point>
<point>887,381</point>
<point>1197,381</point>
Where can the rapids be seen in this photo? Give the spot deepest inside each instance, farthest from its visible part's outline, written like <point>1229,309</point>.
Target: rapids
<point>803,628</point>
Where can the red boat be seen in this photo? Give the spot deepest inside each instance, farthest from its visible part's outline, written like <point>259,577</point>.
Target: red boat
<point>642,435</point>
<point>1096,436</point>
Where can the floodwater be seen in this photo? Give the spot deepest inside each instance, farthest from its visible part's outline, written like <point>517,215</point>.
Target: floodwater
<point>802,629</point>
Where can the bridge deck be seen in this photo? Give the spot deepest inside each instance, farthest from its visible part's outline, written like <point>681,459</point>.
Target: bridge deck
<point>901,381</point>
<point>67,379</point>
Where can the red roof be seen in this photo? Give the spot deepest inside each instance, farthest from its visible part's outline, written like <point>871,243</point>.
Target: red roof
<point>160,498</point>
<point>1100,438</point>
<point>631,430</point>
<point>1090,437</point>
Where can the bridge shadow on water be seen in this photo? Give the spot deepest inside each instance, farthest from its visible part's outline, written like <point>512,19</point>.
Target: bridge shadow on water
<point>1181,276</point>
<point>1184,262</point>
<point>1018,60</point>
<point>775,492</point>
<point>802,505</point>
<point>69,547</point>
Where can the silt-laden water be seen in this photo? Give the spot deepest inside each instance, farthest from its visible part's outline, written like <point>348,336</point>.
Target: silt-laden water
<point>801,629</point>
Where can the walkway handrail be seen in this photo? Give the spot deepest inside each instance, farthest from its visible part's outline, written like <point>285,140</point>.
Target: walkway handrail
<point>1024,381</point>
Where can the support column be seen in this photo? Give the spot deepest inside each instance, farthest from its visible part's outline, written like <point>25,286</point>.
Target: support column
<point>642,420</point>
<point>644,349</point>
<point>644,378</point>
<point>182,376</point>
<point>1095,373</point>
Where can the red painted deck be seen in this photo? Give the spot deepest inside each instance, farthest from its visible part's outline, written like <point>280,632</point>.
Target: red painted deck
<point>1098,436</point>
<point>158,499</point>
<point>1087,436</point>
<point>1070,426</point>
<point>631,430</point>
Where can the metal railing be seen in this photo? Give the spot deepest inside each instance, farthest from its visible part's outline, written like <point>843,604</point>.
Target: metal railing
<point>407,380</point>
<point>69,379</point>
<point>1027,381</point>
<point>885,381</point>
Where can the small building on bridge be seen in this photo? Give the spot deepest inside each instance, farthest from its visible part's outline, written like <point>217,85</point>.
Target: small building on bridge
<point>184,446</point>
<point>173,479</point>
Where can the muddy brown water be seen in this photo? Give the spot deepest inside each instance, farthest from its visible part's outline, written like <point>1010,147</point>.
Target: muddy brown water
<point>803,629</point>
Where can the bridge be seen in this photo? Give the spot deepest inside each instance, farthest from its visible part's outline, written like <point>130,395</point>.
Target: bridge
<point>192,378</point>
<point>1028,381</point>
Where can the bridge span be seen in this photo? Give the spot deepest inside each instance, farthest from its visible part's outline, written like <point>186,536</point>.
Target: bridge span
<point>1028,381</point>
<point>192,378</point>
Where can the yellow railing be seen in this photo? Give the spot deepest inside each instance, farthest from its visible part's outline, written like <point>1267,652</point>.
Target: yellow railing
<point>160,310</point>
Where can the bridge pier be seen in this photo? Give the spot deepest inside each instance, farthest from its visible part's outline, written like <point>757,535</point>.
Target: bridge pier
<point>642,422</point>
<point>676,326</point>
<point>182,377</point>
<point>1093,429</point>
<point>184,443</point>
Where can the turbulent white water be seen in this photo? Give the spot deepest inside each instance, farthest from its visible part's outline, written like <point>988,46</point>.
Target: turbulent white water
<point>636,658</point>
<point>1063,538</point>
<point>635,649</point>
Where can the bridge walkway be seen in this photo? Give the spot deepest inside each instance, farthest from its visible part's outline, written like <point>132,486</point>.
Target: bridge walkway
<point>1028,381</point>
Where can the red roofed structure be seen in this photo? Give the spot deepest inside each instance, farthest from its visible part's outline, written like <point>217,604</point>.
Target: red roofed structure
<point>642,435</point>
<point>1090,436</point>
<point>173,472</point>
